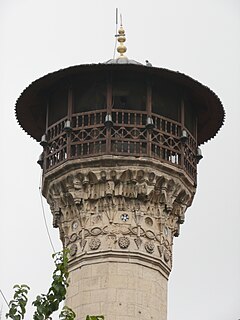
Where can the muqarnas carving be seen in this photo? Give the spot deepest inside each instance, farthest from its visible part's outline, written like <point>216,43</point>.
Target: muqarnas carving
<point>112,206</point>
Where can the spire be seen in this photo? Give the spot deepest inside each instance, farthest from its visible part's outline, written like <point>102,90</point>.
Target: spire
<point>121,49</point>
<point>121,39</point>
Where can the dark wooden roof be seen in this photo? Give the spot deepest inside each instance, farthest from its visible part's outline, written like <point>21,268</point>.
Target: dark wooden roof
<point>31,105</point>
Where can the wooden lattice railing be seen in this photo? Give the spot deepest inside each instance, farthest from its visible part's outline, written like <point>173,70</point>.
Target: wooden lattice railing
<point>127,136</point>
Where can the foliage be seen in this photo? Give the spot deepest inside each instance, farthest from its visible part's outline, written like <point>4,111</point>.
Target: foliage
<point>67,314</point>
<point>17,306</point>
<point>45,304</point>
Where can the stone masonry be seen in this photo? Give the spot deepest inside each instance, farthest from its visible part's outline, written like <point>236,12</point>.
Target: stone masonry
<point>118,221</point>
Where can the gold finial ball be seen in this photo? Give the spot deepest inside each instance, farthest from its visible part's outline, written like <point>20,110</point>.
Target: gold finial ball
<point>121,39</point>
<point>121,31</point>
<point>121,49</point>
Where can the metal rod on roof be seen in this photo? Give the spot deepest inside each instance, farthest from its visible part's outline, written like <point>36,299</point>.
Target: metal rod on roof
<point>116,18</point>
<point>116,34</point>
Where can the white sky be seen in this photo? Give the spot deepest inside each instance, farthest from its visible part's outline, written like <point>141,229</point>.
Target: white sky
<point>198,38</point>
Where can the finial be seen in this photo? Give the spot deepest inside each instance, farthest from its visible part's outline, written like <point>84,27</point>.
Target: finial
<point>121,39</point>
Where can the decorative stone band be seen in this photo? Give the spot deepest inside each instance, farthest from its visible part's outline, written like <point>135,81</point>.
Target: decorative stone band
<point>123,238</point>
<point>118,208</point>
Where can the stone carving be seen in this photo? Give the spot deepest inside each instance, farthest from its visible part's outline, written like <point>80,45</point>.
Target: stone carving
<point>73,250</point>
<point>74,225</point>
<point>96,231</point>
<point>138,242</point>
<point>83,243</point>
<point>149,221</point>
<point>160,250</point>
<point>124,217</point>
<point>150,234</point>
<point>83,233</point>
<point>166,255</point>
<point>149,246</point>
<point>66,241</point>
<point>138,231</point>
<point>123,242</point>
<point>110,208</point>
<point>73,237</point>
<point>111,241</point>
<point>119,204</point>
<point>94,243</point>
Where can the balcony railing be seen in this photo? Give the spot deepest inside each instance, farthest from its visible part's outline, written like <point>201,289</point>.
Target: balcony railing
<point>128,136</point>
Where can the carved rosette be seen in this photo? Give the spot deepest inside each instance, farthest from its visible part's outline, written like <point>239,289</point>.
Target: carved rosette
<point>149,246</point>
<point>139,210</point>
<point>94,243</point>
<point>123,242</point>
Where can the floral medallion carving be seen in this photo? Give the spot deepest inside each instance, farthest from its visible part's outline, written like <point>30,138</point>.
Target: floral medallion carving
<point>149,246</point>
<point>73,250</point>
<point>106,208</point>
<point>94,243</point>
<point>166,255</point>
<point>123,242</point>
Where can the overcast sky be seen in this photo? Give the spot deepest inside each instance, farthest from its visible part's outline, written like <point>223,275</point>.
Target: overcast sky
<point>198,38</point>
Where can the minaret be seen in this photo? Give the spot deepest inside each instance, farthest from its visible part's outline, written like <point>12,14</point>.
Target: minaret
<point>120,153</point>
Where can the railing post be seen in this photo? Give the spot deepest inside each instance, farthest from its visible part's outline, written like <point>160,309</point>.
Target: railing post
<point>182,159</point>
<point>149,114</point>
<point>70,109</point>
<point>109,111</point>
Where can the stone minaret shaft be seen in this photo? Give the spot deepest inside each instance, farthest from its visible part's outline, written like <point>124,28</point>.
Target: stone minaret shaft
<point>119,222</point>
<point>120,151</point>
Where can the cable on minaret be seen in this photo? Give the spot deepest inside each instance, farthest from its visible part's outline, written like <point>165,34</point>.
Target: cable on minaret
<point>44,215</point>
<point>4,298</point>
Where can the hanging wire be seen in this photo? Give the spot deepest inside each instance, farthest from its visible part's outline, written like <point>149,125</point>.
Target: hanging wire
<point>44,215</point>
<point>1,312</point>
<point>116,34</point>
<point>4,298</point>
<point>45,222</point>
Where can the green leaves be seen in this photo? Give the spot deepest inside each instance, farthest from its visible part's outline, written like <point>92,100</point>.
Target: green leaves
<point>67,314</point>
<point>45,304</point>
<point>17,306</point>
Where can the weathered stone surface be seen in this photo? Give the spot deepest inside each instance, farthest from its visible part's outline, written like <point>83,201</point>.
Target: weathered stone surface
<point>124,293</point>
<point>119,223</point>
